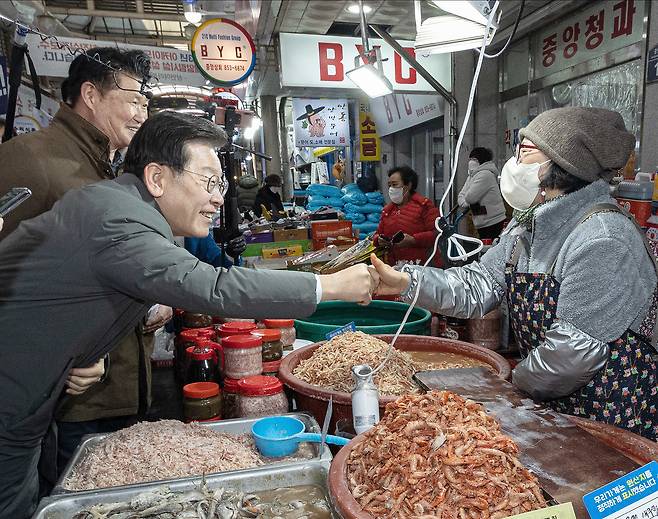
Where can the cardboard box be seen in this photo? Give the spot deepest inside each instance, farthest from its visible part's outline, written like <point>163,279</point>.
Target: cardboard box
<point>260,237</point>
<point>291,234</point>
<point>332,229</point>
<point>256,249</point>
<point>282,252</point>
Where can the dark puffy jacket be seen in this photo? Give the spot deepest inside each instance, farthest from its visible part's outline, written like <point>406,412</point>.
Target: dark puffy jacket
<point>415,218</point>
<point>247,189</point>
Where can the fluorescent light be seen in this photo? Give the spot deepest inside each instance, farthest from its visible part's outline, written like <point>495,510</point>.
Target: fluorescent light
<point>450,34</point>
<point>354,9</point>
<point>370,80</point>
<point>474,10</point>
<point>191,12</point>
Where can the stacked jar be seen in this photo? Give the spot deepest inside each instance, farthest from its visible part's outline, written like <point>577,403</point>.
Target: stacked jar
<point>242,356</point>
<point>201,365</point>
<point>235,328</point>
<point>261,396</point>
<point>230,399</point>
<point>186,338</point>
<point>287,329</point>
<point>272,345</point>
<point>202,402</point>
<point>192,320</point>
<point>218,355</point>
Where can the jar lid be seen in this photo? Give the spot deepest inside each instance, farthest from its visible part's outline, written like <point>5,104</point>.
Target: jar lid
<point>199,353</point>
<point>189,334</point>
<point>206,333</point>
<point>201,390</point>
<point>211,345</point>
<point>279,323</point>
<point>272,366</point>
<point>260,385</point>
<point>231,384</point>
<point>267,334</point>
<point>236,328</point>
<point>242,341</point>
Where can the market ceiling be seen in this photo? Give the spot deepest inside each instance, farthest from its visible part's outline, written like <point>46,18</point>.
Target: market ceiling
<point>161,23</point>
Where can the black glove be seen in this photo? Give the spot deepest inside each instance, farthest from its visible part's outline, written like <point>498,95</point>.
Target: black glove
<point>236,246</point>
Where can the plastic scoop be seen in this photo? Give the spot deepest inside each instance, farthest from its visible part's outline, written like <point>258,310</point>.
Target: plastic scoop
<point>278,436</point>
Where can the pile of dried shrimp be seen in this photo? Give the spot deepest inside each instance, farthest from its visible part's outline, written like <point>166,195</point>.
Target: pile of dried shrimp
<point>152,451</point>
<point>438,455</point>
<point>330,366</point>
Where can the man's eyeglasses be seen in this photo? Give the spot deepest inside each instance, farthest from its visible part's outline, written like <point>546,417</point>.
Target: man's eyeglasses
<point>214,182</point>
<point>524,149</point>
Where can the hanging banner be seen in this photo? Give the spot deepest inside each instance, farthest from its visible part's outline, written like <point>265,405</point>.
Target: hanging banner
<point>370,146</point>
<point>589,34</point>
<point>224,51</point>
<point>315,60</point>
<point>321,122</point>
<point>28,117</point>
<point>169,66</point>
<point>396,112</point>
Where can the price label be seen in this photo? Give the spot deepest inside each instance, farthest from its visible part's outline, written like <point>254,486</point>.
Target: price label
<point>350,327</point>
<point>563,511</point>
<point>634,496</point>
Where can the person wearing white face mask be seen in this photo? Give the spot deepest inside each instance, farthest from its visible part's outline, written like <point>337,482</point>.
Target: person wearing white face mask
<point>481,194</point>
<point>575,271</point>
<point>409,213</point>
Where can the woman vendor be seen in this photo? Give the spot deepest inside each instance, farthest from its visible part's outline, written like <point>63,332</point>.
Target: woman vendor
<point>578,279</point>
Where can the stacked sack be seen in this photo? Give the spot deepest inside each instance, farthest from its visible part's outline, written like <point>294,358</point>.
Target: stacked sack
<point>364,209</point>
<point>322,195</point>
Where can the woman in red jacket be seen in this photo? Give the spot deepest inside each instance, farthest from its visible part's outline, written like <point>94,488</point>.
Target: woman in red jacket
<point>410,213</point>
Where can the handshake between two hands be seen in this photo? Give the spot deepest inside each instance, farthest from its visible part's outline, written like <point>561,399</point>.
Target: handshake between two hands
<point>360,282</point>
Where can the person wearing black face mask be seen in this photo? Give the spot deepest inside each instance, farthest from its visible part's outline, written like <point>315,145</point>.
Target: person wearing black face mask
<point>267,197</point>
<point>575,271</point>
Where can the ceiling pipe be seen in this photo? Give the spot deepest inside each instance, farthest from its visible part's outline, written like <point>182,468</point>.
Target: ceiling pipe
<point>381,32</point>
<point>74,11</point>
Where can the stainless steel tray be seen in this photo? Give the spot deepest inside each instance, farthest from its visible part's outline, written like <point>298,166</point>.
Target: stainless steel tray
<point>312,472</point>
<point>238,426</point>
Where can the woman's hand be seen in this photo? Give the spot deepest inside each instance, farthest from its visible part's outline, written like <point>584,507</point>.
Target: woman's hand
<point>391,282</point>
<point>407,241</point>
<point>81,379</point>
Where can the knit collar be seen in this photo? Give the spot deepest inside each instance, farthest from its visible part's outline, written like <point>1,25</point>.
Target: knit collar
<point>90,139</point>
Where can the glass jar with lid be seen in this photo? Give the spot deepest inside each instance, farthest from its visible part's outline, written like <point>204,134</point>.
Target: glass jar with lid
<point>261,396</point>
<point>271,369</point>
<point>235,328</point>
<point>201,365</point>
<point>242,356</point>
<point>186,338</point>
<point>202,402</point>
<point>218,355</point>
<point>192,320</point>
<point>287,328</point>
<point>272,345</point>
<point>230,398</point>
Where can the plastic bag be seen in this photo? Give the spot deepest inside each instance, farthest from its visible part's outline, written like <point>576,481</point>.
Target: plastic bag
<point>356,217</point>
<point>316,199</point>
<point>375,197</point>
<point>324,190</point>
<point>350,188</point>
<point>365,209</point>
<point>365,227</point>
<point>355,197</point>
<point>335,202</point>
<point>374,217</point>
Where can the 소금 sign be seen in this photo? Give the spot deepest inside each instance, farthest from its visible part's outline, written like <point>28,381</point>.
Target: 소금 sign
<point>223,51</point>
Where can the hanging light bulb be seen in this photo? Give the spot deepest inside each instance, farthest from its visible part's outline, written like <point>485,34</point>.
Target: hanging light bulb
<point>191,12</point>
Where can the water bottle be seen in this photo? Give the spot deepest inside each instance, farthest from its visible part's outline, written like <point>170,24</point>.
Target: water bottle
<point>365,399</point>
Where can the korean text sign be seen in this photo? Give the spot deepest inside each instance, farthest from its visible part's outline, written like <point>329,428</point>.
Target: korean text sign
<point>599,29</point>
<point>321,122</point>
<point>170,66</point>
<point>634,496</point>
<point>312,60</point>
<point>369,144</point>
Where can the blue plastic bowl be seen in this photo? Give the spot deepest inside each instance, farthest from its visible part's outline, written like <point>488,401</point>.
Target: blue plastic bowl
<point>276,436</point>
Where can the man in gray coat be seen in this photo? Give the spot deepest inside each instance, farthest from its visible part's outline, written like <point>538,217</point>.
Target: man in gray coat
<point>76,279</point>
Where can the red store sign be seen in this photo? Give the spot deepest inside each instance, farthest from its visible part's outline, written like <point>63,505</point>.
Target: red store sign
<point>603,27</point>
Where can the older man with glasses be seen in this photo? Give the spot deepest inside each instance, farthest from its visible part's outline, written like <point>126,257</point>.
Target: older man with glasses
<point>77,278</point>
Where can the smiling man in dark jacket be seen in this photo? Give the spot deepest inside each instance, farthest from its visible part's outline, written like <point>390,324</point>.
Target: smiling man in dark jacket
<point>85,272</point>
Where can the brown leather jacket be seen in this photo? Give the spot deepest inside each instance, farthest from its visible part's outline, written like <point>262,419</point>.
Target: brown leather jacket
<point>69,154</point>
